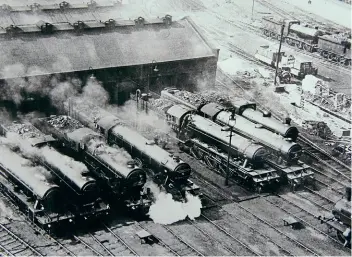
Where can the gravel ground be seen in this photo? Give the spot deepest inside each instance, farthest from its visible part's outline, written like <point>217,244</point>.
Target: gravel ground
<point>257,243</point>
<point>128,234</point>
<point>203,243</point>
<point>320,245</point>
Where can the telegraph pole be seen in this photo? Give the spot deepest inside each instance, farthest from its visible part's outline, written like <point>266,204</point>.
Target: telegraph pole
<point>278,54</point>
<point>252,9</point>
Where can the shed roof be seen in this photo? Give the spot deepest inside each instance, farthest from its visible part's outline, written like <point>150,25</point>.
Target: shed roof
<point>29,54</point>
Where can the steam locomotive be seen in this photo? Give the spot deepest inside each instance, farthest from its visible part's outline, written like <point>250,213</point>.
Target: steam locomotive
<point>283,153</point>
<point>333,47</point>
<point>166,170</point>
<point>60,180</point>
<point>208,142</point>
<point>118,176</point>
<point>341,219</point>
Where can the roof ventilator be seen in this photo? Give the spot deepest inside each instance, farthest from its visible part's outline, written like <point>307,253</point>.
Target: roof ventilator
<point>64,5</point>
<point>110,23</point>
<point>5,8</point>
<point>35,7</point>
<point>92,4</point>
<point>139,21</point>
<point>78,26</point>
<point>12,29</point>
<point>167,19</point>
<point>45,27</point>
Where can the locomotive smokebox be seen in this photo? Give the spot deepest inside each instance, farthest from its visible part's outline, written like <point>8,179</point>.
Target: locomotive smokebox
<point>348,193</point>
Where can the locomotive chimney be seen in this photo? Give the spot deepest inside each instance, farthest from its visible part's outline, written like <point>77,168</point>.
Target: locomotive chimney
<point>348,193</point>
<point>287,121</point>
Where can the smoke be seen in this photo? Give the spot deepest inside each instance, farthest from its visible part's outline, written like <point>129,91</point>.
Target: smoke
<point>94,91</point>
<point>147,123</point>
<point>114,154</point>
<point>166,210</point>
<point>46,154</point>
<point>62,92</point>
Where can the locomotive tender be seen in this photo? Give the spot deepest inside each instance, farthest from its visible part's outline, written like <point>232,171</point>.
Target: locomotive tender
<point>166,170</point>
<point>118,176</point>
<point>309,39</point>
<point>283,152</point>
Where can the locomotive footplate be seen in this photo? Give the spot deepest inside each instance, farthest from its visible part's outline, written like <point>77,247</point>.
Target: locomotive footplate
<point>295,174</point>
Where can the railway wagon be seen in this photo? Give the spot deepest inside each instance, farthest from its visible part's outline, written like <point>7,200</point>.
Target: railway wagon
<point>207,141</point>
<point>118,175</point>
<point>244,108</point>
<point>166,170</point>
<point>340,221</point>
<point>334,49</point>
<point>310,39</point>
<point>283,155</point>
<point>28,185</point>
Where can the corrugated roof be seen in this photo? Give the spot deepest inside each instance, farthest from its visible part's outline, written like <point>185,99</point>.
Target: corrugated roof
<point>122,46</point>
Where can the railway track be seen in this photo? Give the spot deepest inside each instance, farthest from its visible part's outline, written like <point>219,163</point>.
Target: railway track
<point>250,28</point>
<point>337,168</point>
<point>115,247</point>
<point>190,250</point>
<point>305,215</point>
<point>12,245</point>
<point>249,226</point>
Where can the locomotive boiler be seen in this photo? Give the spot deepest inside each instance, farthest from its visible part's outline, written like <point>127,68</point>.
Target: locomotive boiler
<point>118,176</point>
<point>206,141</point>
<point>244,108</point>
<point>166,170</point>
<point>30,187</point>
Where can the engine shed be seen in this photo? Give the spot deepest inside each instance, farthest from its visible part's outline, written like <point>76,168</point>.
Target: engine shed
<point>67,41</point>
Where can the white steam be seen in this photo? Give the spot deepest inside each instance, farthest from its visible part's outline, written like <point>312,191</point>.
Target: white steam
<point>95,92</point>
<point>166,210</point>
<point>46,153</point>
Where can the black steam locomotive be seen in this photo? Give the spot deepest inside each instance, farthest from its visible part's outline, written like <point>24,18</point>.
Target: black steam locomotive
<point>166,170</point>
<point>341,219</point>
<point>118,176</point>
<point>282,153</point>
<point>37,173</point>
<point>333,47</point>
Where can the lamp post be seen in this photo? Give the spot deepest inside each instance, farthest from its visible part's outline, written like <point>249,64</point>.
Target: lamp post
<point>278,54</point>
<point>229,128</point>
<point>150,71</point>
<point>252,9</point>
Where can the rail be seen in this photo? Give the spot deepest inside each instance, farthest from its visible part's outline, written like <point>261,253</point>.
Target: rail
<point>321,155</point>
<point>120,240</point>
<point>14,238</point>
<point>299,218</point>
<point>182,241</point>
<point>101,244</point>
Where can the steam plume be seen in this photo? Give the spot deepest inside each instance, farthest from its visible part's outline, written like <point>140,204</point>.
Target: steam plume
<point>166,210</point>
